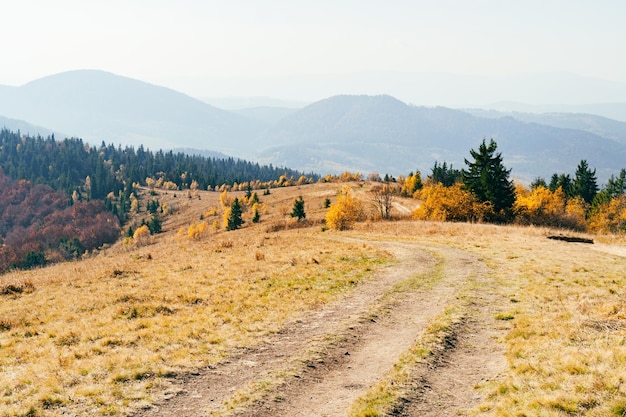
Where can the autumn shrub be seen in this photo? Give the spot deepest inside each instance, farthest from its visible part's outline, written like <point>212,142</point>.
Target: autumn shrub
<point>198,231</point>
<point>450,204</point>
<point>213,211</point>
<point>345,212</point>
<point>141,236</point>
<point>609,216</point>
<point>543,207</point>
<point>576,213</point>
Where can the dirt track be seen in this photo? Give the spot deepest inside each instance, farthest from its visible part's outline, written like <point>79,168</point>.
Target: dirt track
<point>319,364</point>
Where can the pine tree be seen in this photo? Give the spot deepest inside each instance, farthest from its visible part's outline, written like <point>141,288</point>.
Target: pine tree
<point>256,217</point>
<point>585,184</point>
<point>444,174</point>
<point>298,209</point>
<point>488,179</point>
<point>564,181</point>
<point>234,219</point>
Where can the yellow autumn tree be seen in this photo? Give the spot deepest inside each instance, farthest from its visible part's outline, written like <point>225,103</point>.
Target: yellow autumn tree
<point>345,212</point>
<point>411,184</point>
<point>453,203</point>
<point>170,185</point>
<point>150,183</point>
<point>225,199</point>
<point>225,217</point>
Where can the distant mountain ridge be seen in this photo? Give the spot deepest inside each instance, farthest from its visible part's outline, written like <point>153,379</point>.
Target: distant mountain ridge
<point>365,133</point>
<point>381,133</point>
<point>97,105</point>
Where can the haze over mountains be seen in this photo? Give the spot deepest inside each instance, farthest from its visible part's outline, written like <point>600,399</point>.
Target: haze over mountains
<point>362,133</point>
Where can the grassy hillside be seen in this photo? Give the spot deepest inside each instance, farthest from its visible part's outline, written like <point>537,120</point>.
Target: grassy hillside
<point>117,330</point>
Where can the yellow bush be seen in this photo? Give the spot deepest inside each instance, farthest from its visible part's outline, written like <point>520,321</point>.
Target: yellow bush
<point>142,235</point>
<point>198,231</point>
<point>211,212</point>
<point>411,184</point>
<point>450,204</point>
<point>609,217</point>
<point>539,206</point>
<point>549,208</point>
<point>576,211</point>
<point>345,212</point>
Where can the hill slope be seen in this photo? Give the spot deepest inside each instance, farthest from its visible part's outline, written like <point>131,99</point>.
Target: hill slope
<point>381,133</point>
<point>97,105</point>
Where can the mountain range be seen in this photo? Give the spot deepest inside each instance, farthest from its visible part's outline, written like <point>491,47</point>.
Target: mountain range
<point>362,133</point>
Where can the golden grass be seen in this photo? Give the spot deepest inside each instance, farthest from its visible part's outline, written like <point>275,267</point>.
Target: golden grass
<point>566,347</point>
<point>105,335</point>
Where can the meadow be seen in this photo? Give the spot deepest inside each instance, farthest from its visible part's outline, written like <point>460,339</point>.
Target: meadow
<point>125,326</point>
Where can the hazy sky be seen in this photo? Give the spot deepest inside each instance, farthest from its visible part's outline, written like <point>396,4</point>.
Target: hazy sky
<point>176,42</point>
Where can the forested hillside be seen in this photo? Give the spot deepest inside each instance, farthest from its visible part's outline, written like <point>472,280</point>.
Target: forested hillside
<point>39,224</point>
<point>61,198</point>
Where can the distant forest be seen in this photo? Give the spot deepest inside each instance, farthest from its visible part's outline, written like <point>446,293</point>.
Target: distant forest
<point>65,165</point>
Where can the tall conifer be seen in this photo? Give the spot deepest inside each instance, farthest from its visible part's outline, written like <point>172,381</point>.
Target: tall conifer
<point>488,179</point>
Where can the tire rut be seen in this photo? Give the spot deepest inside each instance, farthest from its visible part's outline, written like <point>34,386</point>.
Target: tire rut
<point>347,350</point>
<point>332,389</point>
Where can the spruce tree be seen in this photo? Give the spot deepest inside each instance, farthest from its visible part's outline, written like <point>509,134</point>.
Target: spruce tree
<point>234,220</point>
<point>585,184</point>
<point>298,209</point>
<point>488,179</point>
<point>256,217</point>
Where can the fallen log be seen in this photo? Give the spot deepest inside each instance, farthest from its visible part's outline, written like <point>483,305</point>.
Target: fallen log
<point>571,239</point>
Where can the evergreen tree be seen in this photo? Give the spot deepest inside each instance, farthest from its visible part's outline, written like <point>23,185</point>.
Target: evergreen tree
<point>298,209</point>
<point>488,179</point>
<point>585,184</point>
<point>444,174</point>
<point>155,224</point>
<point>256,217</point>
<point>234,219</point>
<point>538,182</point>
<point>616,185</point>
<point>564,181</point>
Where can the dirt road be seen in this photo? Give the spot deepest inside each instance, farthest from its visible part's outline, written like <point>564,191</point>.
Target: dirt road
<point>319,364</point>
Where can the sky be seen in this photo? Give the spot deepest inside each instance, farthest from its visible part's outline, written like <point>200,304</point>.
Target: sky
<point>195,45</point>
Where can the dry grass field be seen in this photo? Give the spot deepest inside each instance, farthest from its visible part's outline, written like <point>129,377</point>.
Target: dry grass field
<point>540,323</point>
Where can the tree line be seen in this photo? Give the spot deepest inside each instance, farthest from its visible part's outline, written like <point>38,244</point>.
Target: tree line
<point>65,165</point>
<point>483,191</point>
